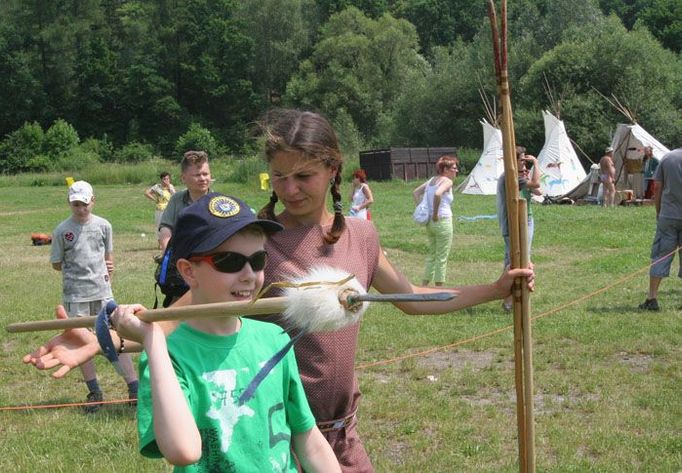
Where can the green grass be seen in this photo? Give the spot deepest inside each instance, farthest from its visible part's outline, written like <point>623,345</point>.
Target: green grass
<point>607,376</point>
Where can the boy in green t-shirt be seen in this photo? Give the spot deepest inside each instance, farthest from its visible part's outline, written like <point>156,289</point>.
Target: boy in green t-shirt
<point>191,407</point>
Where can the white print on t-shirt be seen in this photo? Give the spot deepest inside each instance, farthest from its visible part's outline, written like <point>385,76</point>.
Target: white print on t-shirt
<point>224,408</point>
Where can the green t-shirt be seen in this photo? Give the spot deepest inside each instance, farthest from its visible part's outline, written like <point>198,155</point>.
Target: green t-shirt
<point>213,371</point>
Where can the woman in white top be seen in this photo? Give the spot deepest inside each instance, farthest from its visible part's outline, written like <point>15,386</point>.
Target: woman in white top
<point>360,195</point>
<point>439,228</point>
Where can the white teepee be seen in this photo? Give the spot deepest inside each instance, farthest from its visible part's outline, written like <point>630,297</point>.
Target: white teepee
<point>482,179</point>
<point>560,167</point>
<point>628,143</point>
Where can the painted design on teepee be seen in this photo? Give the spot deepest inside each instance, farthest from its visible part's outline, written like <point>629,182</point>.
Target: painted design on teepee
<point>559,164</point>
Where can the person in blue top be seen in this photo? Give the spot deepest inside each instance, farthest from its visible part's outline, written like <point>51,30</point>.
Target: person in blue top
<point>529,184</point>
<point>193,406</point>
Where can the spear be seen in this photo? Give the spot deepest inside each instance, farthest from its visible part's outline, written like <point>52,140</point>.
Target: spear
<point>518,235</point>
<point>321,300</point>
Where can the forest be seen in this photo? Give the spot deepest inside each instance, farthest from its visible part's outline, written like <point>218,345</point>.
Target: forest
<point>83,81</point>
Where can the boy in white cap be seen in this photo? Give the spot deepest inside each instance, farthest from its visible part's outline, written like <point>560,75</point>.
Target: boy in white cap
<point>82,250</point>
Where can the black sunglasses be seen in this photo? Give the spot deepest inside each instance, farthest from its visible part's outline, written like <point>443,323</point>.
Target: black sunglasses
<point>230,262</point>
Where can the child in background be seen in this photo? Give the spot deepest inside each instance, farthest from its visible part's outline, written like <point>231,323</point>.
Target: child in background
<point>190,408</point>
<point>82,249</point>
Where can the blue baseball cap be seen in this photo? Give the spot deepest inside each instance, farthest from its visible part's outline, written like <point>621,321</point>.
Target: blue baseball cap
<point>211,220</point>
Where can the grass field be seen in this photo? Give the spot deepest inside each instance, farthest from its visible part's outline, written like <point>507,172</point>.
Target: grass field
<point>607,376</point>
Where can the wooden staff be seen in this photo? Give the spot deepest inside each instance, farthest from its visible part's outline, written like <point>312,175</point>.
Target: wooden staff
<point>265,306</point>
<point>518,235</point>
<point>270,305</point>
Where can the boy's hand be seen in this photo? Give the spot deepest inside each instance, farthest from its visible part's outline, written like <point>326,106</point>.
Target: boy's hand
<point>110,266</point>
<point>128,325</point>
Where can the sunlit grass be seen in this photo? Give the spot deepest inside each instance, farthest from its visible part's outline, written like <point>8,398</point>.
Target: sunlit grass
<point>607,376</point>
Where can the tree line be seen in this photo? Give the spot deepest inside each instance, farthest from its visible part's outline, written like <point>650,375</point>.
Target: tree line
<point>131,77</point>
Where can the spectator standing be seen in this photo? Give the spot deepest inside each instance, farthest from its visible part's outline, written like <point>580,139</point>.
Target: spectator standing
<point>607,176</point>
<point>529,184</point>
<point>668,237</point>
<point>160,193</point>
<point>196,176</point>
<point>439,229</point>
<point>360,196</point>
<point>82,249</point>
<point>650,165</point>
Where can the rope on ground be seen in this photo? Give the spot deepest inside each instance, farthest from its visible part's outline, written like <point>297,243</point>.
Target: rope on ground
<point>509,327</point>
<point>29,407</point>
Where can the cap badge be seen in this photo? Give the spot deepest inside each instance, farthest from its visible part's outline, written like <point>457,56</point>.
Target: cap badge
<point>223,207</point>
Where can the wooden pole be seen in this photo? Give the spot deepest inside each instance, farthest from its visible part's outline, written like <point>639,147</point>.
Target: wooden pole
<point>265,306</point>
<point>529,388</point>
<point>518,235</point>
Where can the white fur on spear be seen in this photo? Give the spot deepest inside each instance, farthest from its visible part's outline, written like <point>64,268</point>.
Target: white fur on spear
<point>317,301</point>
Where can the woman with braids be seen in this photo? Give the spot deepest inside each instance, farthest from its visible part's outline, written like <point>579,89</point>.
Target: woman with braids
<point>305,166</point>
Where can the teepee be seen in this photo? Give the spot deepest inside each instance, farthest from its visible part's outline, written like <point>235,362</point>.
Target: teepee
<point>628,149</point>
<point>483,177</point>
<point>560,167</point>
<point>628,145</point>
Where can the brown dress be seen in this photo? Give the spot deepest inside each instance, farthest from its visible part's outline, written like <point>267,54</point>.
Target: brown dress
<point>326,361</point>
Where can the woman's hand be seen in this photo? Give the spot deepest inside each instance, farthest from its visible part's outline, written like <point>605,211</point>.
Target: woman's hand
<point>71,348</point>
<point>506,281</point>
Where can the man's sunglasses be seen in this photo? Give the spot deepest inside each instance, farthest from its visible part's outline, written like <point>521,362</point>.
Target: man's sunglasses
<point>230,262</point>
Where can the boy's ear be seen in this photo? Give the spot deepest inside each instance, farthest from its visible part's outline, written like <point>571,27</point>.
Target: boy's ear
<point>186,270</point>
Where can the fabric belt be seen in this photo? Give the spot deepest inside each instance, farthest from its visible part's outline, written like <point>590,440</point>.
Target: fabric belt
<point>336,424</point>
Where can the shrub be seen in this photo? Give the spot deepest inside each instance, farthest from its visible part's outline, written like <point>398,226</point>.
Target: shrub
<point>468,157</point>
<point>134,152</point>
<point>76,160</point>
<point>19,147</point>
<point>113,173</point>
<point>102,148</point>
<point>60,138</point>
<point>40,163</point>
<point>196,138</point>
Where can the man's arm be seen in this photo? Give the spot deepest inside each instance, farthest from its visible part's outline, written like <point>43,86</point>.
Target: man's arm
<point>658,192</point>
<point>168,219</point>
<point>164,237</point>
<point>534,182</point>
